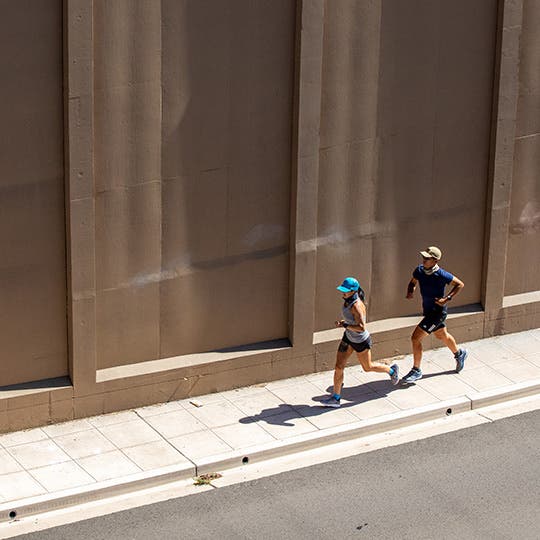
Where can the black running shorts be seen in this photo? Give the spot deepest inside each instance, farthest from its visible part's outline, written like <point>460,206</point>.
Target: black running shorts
<point>433,321</point>
<point>358,347</point>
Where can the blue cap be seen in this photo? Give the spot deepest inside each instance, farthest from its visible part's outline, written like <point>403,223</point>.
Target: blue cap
<point>349,284</point>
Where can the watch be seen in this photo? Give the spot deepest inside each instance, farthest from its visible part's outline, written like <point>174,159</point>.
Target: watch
<point>449,297</point>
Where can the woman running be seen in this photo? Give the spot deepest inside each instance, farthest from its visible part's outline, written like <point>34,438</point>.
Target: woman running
<point>355,338</point>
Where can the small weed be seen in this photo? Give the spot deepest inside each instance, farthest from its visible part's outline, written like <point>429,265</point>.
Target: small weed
<point>205,479</point>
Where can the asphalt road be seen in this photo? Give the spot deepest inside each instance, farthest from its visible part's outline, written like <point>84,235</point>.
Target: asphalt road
<point>482,483</point>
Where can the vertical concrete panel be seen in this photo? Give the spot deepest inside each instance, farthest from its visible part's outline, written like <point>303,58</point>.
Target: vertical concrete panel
<point>226,162</point>
<point>523,256</point>
<point>32,219</point>
<point>127,135</point>
<point>412,170</point>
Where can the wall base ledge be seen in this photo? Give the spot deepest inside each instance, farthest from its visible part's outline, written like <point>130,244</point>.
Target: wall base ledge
<point>173,363</point>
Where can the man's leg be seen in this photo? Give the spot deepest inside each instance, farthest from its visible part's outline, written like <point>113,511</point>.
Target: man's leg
<point>416,374</point>
<point>417,336</point>
<point>447,339</point>
<point>460,355</point>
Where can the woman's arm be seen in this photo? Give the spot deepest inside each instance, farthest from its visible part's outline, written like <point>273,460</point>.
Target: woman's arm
<point>358,309</point>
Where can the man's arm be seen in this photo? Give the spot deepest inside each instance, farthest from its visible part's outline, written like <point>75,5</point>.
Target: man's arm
<point>457,285</point>
<point>410,287</point>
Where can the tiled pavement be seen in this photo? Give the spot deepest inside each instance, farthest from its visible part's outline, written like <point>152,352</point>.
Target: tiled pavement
<point>114,447</point>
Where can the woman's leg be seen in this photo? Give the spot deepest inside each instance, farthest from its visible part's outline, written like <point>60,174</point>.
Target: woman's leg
<point>367,364</point>
<point>341,361</point>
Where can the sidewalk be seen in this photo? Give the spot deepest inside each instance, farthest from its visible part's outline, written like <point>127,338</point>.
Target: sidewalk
<point>56,465</point>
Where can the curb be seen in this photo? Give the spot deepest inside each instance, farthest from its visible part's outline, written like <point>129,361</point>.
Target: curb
<point>71,497</point>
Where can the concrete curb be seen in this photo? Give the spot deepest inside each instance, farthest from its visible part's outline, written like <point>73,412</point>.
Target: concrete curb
<point>101,490</point>
<point>218,463</point>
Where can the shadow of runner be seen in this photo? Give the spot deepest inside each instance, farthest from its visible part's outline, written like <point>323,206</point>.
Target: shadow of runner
<point>284,413</point>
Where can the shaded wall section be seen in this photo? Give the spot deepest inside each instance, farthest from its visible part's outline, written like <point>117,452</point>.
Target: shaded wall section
<point>32,219</point>
<point>193,122</point>
<point>405,124</point>
<point>523,258</point>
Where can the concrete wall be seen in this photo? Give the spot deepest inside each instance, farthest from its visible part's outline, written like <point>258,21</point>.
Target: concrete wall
<point>225,164</point>
<point>33,327</point>
<point>405,126</point>
<point>193,107</point>
<point>524,232</point>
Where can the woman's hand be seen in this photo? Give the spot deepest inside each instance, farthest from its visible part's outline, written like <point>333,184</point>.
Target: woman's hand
<point>339,323</point>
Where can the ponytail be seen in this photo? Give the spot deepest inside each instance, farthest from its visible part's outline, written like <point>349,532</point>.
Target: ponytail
<point>361,294</point>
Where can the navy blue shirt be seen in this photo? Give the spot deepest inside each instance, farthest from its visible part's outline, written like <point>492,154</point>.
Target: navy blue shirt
<point>432,287</point>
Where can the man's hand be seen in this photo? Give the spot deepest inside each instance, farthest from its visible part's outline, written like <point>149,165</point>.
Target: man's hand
<point>441,301</point>
<point>339,323</point>
<point>410,288</point>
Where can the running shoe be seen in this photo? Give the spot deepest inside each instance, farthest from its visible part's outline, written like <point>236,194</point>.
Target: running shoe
<point>460,357</point>
<point>395,376</point>
<point>331,402</point>
<point>414,375</point>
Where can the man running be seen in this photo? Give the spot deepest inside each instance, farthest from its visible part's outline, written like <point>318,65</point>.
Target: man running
<point>433,280</point>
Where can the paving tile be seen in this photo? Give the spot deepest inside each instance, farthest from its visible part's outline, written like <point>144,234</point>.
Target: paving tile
<point>282,383</point>
<point>261,405</point>
<point>84,443</point>
<point>7,463</point>
<point>410,397</point>
<point>243,435</point>
<point>175,423</point>
<point>534,359</point>
<point>302,393</point>
<point>445,386</point>
<point>372,408</point>
<point>38,454</point>
<point>518,370</point>
<point>66,428</point>
<point>490,350</point>
<point>247,391</point>
<point>484,378</point>
<point>447,363</point>
<point>62,476</point>
<point>522,343</point>
<point>284,426</point>
<point>113,418</point>
<point>160,408</point>
<point>218,414</point>
<point>22,437</point>
<point>131,433</point>
<point>200,444</point>
<point>209,399</point>
<point>364,377</point>
<point>109,465</point>
<point>329,417</point>
<point>155,455</point>
<point>535,332</point>
<point>19,485</point>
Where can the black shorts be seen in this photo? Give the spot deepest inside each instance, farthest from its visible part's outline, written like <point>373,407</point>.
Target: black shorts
<point>433,321</point>
<point>358,347</point>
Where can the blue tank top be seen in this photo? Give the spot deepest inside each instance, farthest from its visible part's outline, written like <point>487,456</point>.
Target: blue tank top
<point>348,317</point>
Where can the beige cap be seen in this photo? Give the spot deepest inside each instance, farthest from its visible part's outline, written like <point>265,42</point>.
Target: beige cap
<point>432,252</point>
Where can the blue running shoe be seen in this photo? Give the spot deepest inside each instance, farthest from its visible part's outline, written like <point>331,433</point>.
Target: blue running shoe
<point>414,375</point>
<point>460,357</point>
<point>331,402</point>
<point>395,376</point>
